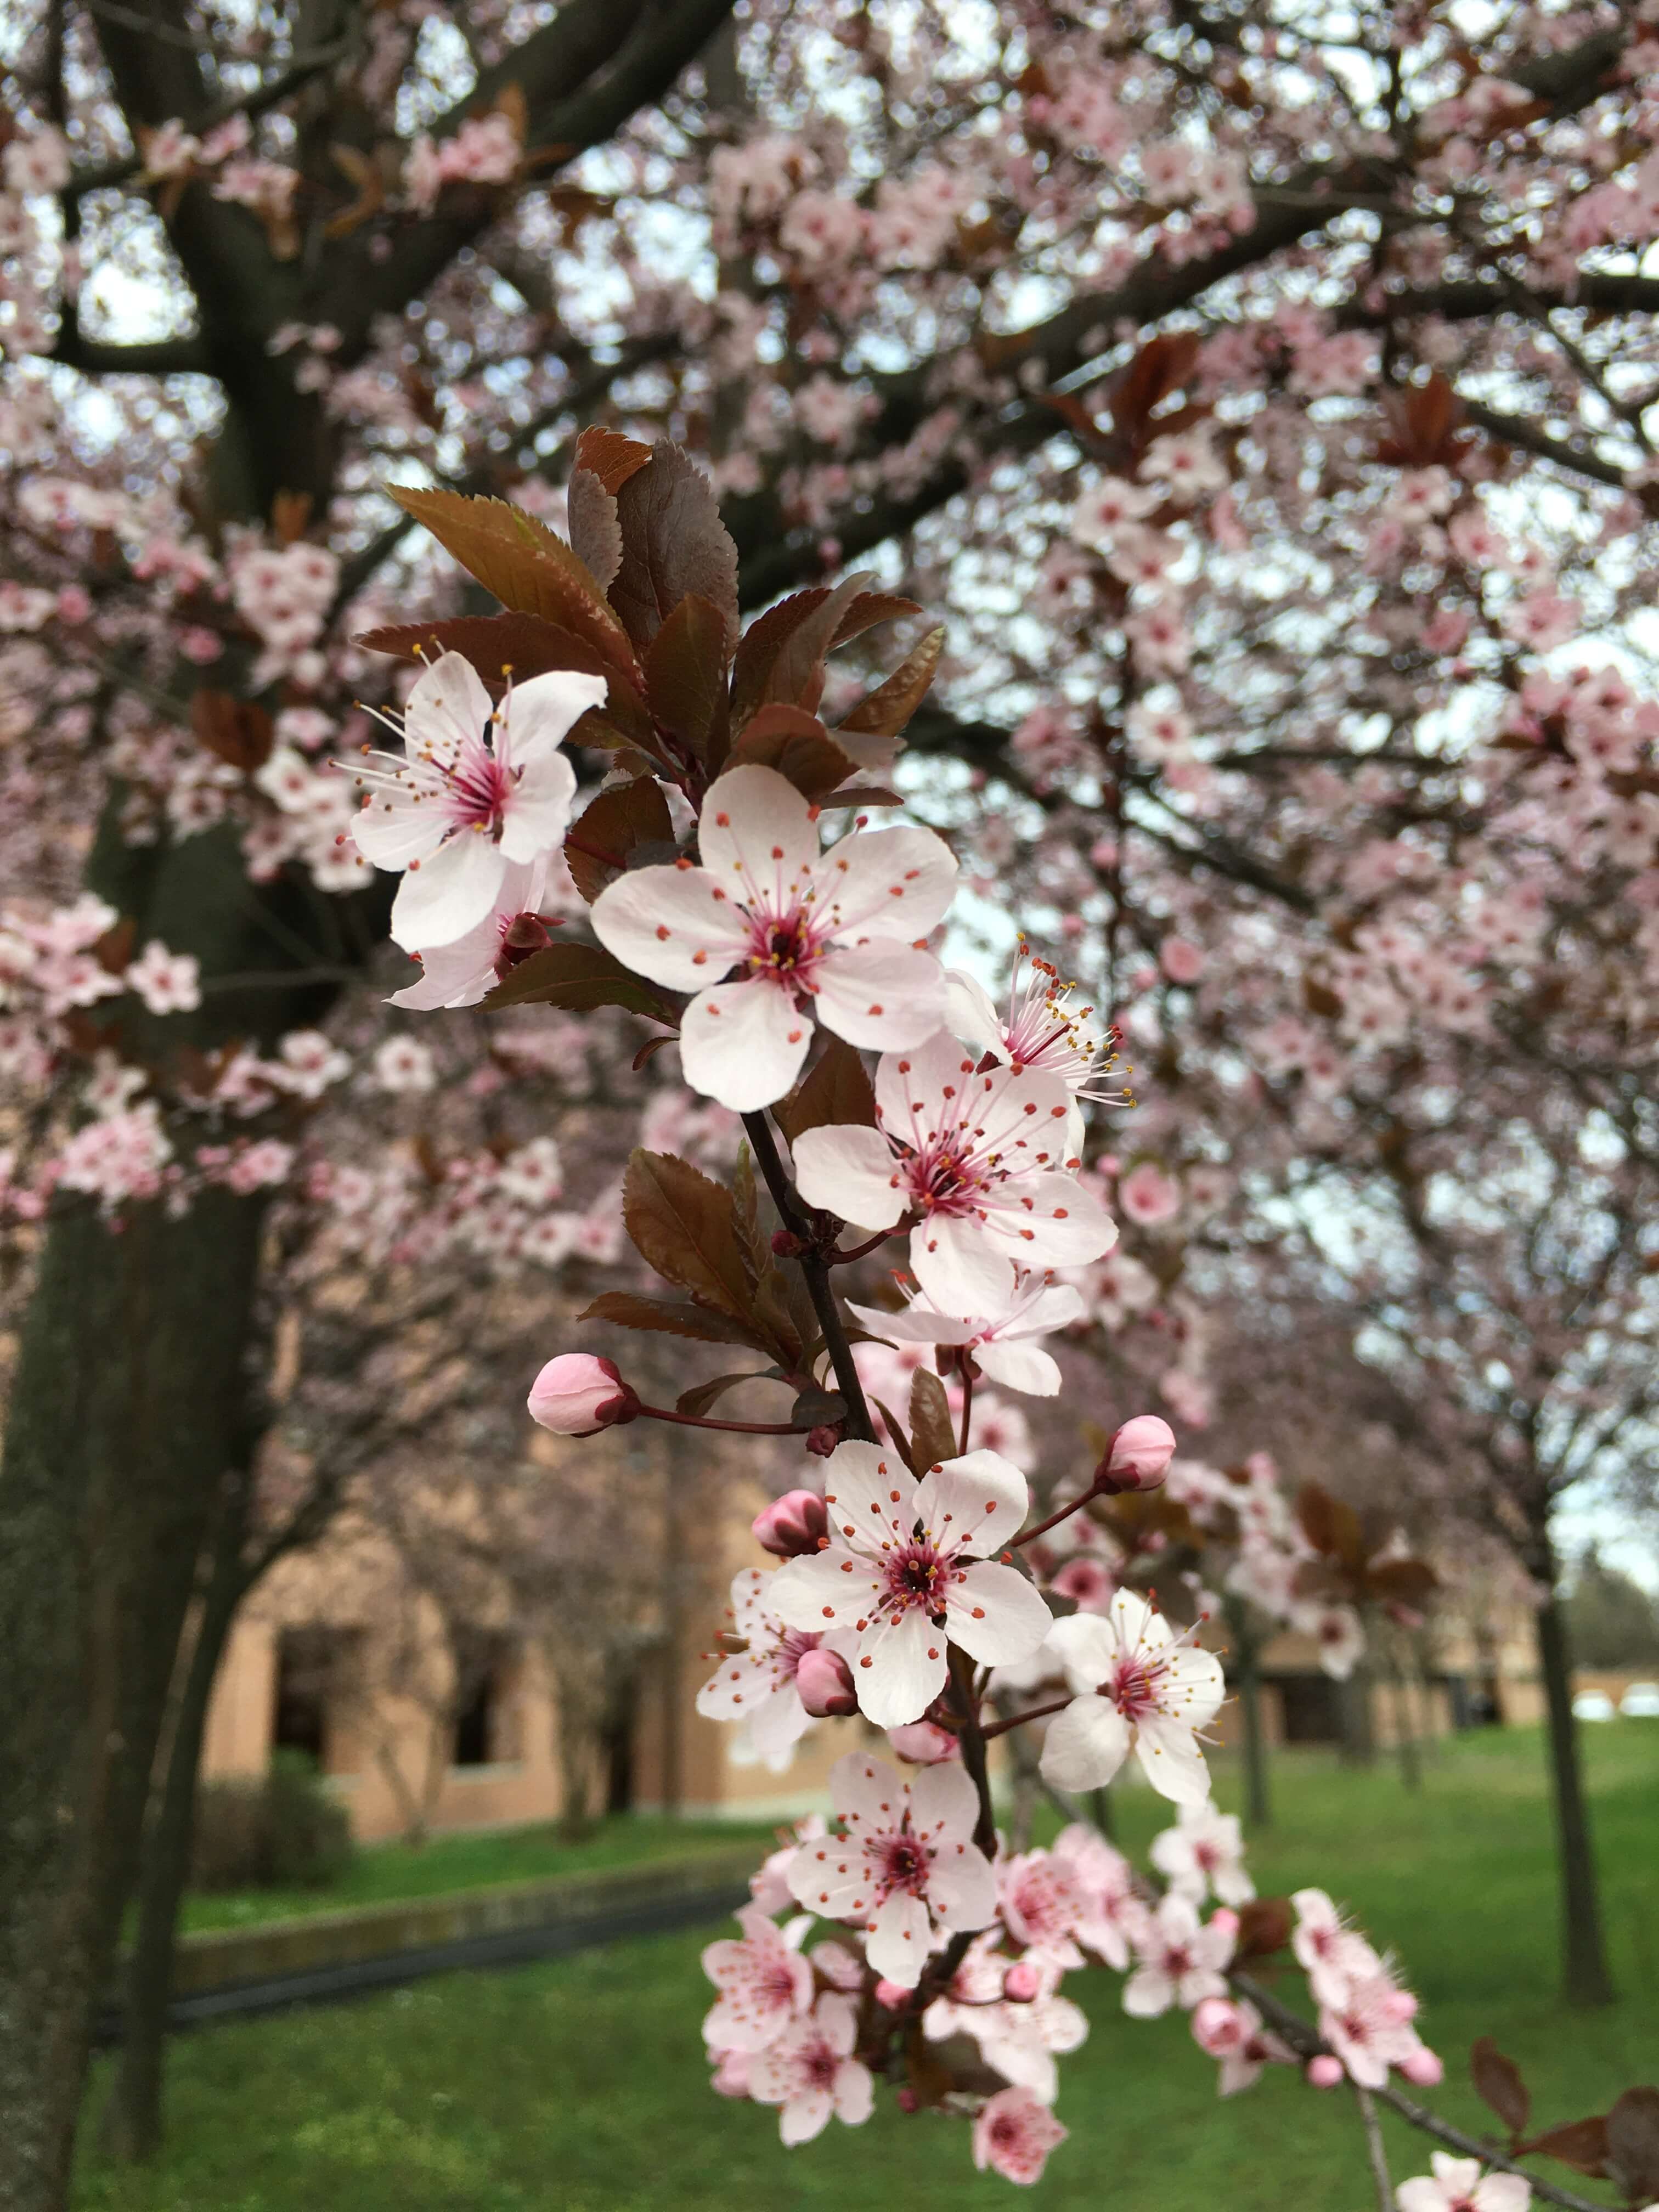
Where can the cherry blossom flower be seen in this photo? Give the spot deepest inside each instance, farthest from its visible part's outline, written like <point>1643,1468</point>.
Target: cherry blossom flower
<point>1338,1632</point>
<point>810,2071</point>
<point>905,1569</point>
<point>1370,2029</point>
<point>1113,1912</point>
<point>1042,1907</point>
<point>1148,1196</point>
<point>403,1065</point>
<point>770,1883</point>
<point>764,1983</point>
<point>460,973</point>
<point>1138,1689</point>
<point>168,982</point>
<point>1013,2135</point>
<point>1014,2013</point>
<point>479,788</point>
<point>1458,2185</point>
<point>1332,1954</point>
<point>757,1685</point>
<point>1230,2029</point>
<point>1181,1960</point>
<point>1204,1852</point>
<point>906,1863</point>
<point>770,931</point>
<point>1001,1344</point>
<point>979,1158</point>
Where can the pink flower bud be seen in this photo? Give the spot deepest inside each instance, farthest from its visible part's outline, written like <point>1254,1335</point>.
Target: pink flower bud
<point>922,1743</point>
<point>791,1527</point>
<point>1423,2066</point>
<point>1324,2072</point>
<point>825,1683</point>
<point>1217,2026</point>
<point>577,1395</point>
<point>892,1996</point>
<point>1400,2005</point>
<point>1021,1983</point>
<point>1138,1456</point>
<point>824,1439</point>
<point>907,2099</point>
<point>1226,1919</point>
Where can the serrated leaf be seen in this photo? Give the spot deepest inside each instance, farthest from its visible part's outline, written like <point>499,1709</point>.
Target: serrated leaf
<point>702,1395</point>
<point>595,532</point>
<point>796,674</point>
<point>685,676</point>
<point>238,731</point>
<point>895,1430</point>
<point>837,1089</point>
<point>797,745</point>
<point>1498,2083</point>
<point>673,543</point>
<point>530,570</point>
<point>668,1317</point>
<point>611,456</point>
<point>578,978</point>
<point>933,1437</point>
<point>884,712</point>
<point>684,1225</point>
<point>616,825</point>
<point>523,645</point>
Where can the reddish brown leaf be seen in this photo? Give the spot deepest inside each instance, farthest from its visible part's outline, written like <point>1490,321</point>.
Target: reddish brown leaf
<point>795,744</point>
<point>609,456</point>
<point>238,731</point>
<point>1498,2083</point>
<point>523,645</point>
<point>685,676</point>
<point>698,1400</point>
<point>932,1438</point>
<point>519,560</point>
<point>1330,1526</point>
<point>578,978</point>
<point>796,675</point>
<point>1632,2155</point>
<point>613,828</point>
<point>1410,1582</point>
<point>668,1316</point>
<point>884,712</point>
<point>114,950</point>
<point>684,1226</point>
<point>1581,2144</point>
<point>867,610</point>
<point>1264,1926</point>
<point>760,646</point>
<point>673,543</point>
<point>837,1089</point>
<point>595,531</point>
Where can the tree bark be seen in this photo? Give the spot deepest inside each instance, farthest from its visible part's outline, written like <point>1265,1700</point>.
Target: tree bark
<point>1584,1974</point>
<point>1258,1796</point>
<point>132,2120</point>
<point>129,1405</point>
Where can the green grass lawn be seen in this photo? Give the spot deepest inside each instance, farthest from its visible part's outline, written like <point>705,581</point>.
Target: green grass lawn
<point>384,1874</point>
<point>579,2085</point>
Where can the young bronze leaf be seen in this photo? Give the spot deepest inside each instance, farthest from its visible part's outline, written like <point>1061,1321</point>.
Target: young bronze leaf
<point>619,822</point>
<point>837,1088</point>
<point>684,1226</point>
<point>673,542</point>
<point>796,675</point>
<point>685,676</point>
<point>895,1428</point>
<point>1581,2144</point>
<point>530,570</point>
<point>1265,1924</point>
<point>595,532</point>
<point>884,712</point>
<point>796,744</point>
<point>1632,2155</point>
<point>238,730</point>
<point>866,610</point>
<point>1331,1527</point>
<point>524,645</point>
<point>760,646</point>
<point>578,978</point>
<point>932,1436</point>
<point>609,456</point>
<point>1498,2083</point>
<point>698,1401</point>
<point>669,1317</point>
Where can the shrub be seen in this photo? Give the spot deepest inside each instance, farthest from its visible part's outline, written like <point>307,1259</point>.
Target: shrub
<point>279,1830</point>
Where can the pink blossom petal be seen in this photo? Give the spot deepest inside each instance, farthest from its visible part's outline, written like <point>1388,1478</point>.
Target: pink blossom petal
<point>744,1044</point>
<point>849,1172</point>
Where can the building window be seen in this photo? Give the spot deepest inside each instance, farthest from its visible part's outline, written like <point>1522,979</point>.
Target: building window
<point>486,1711</point>
<point>307,1671</point>
<point>1312,1707</point>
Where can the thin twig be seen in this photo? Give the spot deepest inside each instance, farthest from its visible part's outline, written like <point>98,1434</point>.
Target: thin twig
<point>1374,2148</point>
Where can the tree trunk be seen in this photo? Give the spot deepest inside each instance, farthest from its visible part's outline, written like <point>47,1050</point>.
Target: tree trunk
<point>1258,1798</point>
<point>133,2119</point>
<point>130,1404</point>
<point>1584,1959</point>
<point>1359,1733</point>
